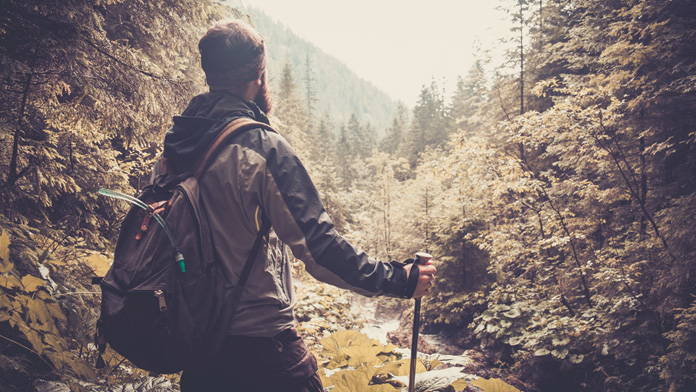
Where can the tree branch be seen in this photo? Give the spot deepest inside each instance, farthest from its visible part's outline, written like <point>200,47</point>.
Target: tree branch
<point>525,166</point>
<point>634,192</point>
<point>114,58</point>
<point>12,176</point>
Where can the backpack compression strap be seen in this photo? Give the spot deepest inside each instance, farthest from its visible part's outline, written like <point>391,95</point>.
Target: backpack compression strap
<point>235,126</point>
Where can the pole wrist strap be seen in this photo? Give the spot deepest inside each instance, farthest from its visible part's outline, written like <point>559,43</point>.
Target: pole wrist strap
<point>412,281</point>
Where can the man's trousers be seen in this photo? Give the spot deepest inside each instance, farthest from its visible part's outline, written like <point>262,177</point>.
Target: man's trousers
<point>253,364</point>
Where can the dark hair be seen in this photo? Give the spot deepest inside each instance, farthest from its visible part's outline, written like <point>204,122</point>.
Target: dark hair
<point>232,54</point>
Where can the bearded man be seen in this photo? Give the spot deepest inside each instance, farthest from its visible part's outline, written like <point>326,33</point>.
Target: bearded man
<point>258,176</point>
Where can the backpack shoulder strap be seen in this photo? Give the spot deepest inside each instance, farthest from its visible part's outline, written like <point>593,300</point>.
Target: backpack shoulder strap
<point>246,271</point>
<point>234,126</point>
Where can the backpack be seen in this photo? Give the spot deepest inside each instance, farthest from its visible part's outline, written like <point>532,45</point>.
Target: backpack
<point>166,305</point>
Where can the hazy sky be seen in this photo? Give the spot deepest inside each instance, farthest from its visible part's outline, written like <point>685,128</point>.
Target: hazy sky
<point>399,46</point>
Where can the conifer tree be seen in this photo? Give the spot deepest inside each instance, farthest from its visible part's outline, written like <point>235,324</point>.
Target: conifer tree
<point>345,155</point>
<point>430,123</point>
<point>392,141</point>
<point>468,99</point>
<point>290,110</point>
<point>359,137</point>
<point>70,90</point>
<point>310,92</point>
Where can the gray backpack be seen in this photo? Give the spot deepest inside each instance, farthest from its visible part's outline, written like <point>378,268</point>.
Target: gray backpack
<point>166,305</point>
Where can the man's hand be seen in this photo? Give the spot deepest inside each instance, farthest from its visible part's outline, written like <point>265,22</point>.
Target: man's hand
<point>425,279</point>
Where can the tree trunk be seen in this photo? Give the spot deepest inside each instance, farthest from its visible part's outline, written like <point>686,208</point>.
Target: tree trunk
<point>521,59</point>
<point>13,176</point>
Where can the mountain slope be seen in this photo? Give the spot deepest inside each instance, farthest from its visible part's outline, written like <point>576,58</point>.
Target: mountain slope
<point>339,91</point>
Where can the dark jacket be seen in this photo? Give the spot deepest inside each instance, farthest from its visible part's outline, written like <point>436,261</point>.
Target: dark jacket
<point>258,174</point>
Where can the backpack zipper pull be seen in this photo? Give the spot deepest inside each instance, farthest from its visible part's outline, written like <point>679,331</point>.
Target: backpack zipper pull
<point>162,303</point>
<point>180,260</point>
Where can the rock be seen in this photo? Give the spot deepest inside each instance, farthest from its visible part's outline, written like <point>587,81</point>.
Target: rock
<point>477,364</point>
<point>402,338</point>
<point>51,386</point>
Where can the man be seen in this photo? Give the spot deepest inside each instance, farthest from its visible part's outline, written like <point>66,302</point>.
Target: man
<point>258,176</point>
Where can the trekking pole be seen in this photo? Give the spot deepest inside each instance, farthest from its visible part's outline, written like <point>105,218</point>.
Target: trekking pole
<point>421,259</point>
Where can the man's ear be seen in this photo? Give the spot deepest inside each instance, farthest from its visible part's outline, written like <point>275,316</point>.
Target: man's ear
<point>253,88</point>
<point>262,77</point>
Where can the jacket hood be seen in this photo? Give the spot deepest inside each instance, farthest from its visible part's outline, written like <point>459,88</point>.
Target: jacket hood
<point>202,120</point>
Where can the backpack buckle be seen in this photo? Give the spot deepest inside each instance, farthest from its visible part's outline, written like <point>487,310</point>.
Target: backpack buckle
<point>152,209</point>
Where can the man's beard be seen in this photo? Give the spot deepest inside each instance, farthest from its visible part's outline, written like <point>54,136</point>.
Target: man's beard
<point>263,98</point>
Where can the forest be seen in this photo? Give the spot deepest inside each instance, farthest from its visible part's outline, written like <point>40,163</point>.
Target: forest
<point>556,192</point>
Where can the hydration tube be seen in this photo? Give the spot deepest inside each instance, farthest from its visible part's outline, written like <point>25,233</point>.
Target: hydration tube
<point>118,195</point>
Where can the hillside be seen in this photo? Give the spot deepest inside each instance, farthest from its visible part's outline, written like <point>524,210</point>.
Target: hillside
<point>339,91</point>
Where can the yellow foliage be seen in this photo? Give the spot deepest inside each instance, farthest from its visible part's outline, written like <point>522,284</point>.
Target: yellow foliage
<point>401,367</point>
<point>38,312</point>
<point>10,282</point>
<point>362,358</point>
<point>460,385</point>
<point>357,380</point>
<point>33,337</point>
<point>5,263</point>
<point>4,300</point>
<point>99,263</point>
<point>32,283</point>
<point>4,247</point>
<point>351,348</point>
<point>55,311</point>
<point>494,385</point>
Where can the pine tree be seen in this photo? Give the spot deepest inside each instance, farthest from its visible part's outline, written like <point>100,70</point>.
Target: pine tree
<point>345,155</point>
<point>360,137</point>
<point>430,123</point>
<point>291,112</point>
<point>468,99</point>
<point>392,141</point>
<point>310,92</point>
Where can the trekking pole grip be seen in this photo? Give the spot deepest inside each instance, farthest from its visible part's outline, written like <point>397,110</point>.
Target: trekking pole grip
<point>422,258</point>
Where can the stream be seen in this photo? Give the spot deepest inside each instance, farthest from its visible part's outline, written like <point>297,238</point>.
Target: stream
<point>378,328</point>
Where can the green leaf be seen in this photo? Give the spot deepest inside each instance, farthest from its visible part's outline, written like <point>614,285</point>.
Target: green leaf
<point>560,342</point>
<point>512,313</point>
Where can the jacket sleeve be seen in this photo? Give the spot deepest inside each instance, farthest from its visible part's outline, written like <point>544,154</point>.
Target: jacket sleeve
<point>291,202</point>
